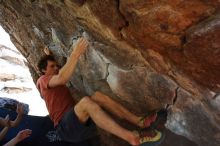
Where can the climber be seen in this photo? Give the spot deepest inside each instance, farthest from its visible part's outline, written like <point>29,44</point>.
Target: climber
<point>77,121</point>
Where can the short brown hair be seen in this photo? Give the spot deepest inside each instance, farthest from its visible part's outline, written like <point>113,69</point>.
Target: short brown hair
<point>42,64</point>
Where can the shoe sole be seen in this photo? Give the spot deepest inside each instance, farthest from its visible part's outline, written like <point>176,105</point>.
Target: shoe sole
<point>156,143</point>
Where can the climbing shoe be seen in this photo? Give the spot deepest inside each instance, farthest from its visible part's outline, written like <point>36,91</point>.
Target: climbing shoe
<point>150,138</point>
<point>146,121</point>
<point>160,121</point>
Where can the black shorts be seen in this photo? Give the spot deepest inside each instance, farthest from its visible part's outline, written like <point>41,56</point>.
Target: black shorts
<point>70,129</point>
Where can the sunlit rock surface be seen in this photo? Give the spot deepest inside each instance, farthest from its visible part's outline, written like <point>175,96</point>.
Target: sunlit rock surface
<point>16,82</point>
<point>14,72</point>
<point>145,54</point>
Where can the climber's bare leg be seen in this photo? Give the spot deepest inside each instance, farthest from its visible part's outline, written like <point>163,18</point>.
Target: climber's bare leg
<point>115,108</point>
<point>88,108</point>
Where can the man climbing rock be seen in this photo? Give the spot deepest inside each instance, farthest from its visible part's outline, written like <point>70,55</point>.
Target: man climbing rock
<point>77,121</point>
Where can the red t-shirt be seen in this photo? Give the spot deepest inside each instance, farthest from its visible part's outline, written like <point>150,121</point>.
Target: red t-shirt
<point>58,99</point>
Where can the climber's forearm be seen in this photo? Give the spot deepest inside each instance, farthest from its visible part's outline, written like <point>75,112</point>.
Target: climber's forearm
<point>67,70</point>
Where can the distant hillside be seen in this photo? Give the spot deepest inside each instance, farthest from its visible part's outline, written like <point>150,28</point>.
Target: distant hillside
<point>14,73</point>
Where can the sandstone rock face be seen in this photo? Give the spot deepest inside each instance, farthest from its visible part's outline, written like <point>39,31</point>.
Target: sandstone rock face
<point>16,83</point>
<point>145,54</point>
<point>12,81</point>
